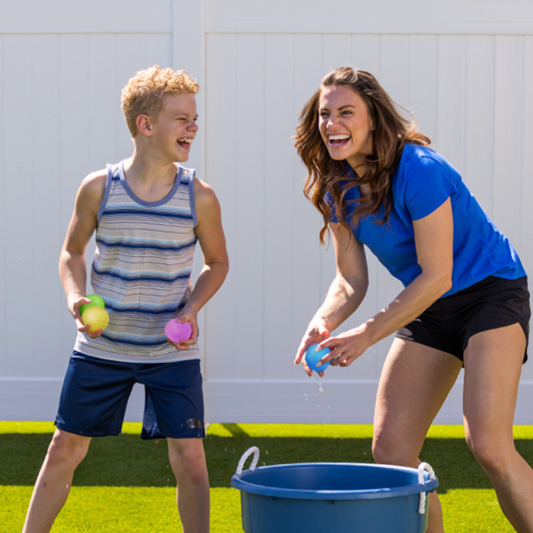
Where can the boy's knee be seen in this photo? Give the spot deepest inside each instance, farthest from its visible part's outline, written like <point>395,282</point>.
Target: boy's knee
<point>188,459</point>
<point>67,448</point>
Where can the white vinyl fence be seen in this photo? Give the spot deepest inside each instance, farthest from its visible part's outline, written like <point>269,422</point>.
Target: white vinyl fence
<point>463,68</point>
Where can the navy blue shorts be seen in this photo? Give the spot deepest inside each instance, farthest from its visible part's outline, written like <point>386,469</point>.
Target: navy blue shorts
<point>449,323</point>
<point>96,391</point>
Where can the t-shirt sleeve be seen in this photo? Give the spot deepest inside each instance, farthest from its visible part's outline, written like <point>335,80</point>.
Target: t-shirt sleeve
<point>427,186</point>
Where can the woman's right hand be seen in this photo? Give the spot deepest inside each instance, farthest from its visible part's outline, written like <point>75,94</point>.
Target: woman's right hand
<point>317,331</point>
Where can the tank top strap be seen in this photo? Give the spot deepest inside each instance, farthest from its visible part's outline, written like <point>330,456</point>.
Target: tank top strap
<point>187,175</point>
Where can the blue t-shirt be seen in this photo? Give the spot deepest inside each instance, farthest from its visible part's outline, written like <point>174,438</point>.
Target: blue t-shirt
<point>423,181</point>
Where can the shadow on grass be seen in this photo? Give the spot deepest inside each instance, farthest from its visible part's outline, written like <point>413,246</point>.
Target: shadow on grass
<point>128,461</point>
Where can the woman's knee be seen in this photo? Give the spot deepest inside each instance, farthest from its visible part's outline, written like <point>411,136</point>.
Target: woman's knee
<point>393,450</point>
<point>491,451</point>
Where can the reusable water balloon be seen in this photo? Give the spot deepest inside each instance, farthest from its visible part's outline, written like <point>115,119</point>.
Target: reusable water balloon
<point>313,356</point>
<point>178,331</point>
<point>96,316</point>
<point>96,300</point>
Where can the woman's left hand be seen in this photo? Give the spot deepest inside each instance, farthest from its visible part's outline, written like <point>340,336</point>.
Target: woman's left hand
<point>348,346</point>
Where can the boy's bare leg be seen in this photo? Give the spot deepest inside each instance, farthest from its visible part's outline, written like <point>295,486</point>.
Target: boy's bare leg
<point>187,459</point>
<point>65,453</point>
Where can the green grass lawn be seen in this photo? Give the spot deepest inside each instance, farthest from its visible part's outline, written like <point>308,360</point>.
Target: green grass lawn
<point>126,485</point>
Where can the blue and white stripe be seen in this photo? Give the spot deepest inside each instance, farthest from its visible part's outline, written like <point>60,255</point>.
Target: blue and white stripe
<point>142,269</point>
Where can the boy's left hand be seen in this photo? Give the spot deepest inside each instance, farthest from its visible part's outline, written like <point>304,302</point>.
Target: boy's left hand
<point>193,321</point>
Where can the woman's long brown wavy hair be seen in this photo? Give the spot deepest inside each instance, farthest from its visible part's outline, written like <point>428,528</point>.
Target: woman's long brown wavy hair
<point>391,133</point>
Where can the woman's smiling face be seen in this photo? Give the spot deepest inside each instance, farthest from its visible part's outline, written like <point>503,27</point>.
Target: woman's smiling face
<point>345,124</point>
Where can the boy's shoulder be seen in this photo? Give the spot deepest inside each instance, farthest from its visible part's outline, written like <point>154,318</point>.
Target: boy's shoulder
<point>92,187</point>
<point>205,199</point>
<point>203,192</point>
<point>95,177</point>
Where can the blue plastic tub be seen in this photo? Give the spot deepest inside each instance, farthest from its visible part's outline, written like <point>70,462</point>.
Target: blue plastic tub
<point>333,497</point>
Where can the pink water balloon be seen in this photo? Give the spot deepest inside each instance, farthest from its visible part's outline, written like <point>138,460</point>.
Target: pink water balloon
<point>178,331</point>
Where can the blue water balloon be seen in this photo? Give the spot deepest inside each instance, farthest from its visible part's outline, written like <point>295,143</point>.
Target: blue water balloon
<point>313,356</point>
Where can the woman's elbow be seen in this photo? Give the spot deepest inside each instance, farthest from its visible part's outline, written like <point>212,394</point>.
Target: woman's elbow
<point>444,283</point>
<point>438,281</point>
<point>448,284</point>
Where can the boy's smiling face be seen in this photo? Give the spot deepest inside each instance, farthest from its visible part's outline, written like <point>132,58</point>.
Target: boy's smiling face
<point>175,127</point>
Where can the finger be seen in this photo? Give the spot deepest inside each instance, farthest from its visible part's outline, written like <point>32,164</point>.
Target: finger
<point>83,328</point>
<point>336,361</point>
<point>95,334</point>
<point>80,302</point>
<point>181,345</point>
<point>334,352</point>
<point>304,345</point>
<point>330,343</point>
<point>300,353</point>
<point>348,361</point>
<point>195,331</point>
<point>308,371</point>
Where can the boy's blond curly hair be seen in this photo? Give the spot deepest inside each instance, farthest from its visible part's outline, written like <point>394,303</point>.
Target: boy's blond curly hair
<point>145,93</point>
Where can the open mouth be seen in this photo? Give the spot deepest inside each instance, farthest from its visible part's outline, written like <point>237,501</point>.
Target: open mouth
<point>185,142</point>
<point>338,141</point>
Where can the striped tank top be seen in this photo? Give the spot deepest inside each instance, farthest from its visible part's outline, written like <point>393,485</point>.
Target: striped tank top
<point>142,269</point>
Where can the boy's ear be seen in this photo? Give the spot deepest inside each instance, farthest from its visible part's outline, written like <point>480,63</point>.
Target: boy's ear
<point>144,125</point>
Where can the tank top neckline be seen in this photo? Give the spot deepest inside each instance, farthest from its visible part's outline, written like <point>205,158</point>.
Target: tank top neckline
<point>145,203</point>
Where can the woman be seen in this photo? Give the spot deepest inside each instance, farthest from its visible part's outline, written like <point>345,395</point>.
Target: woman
<point>465,302</point>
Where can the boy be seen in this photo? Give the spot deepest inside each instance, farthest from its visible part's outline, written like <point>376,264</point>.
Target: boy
<point>148,212</point>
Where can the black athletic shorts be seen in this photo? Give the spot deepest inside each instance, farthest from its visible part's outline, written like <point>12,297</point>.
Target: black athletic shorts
<point>449,323</point>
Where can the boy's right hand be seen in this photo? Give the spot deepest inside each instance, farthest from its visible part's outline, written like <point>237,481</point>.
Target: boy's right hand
<point>74,307</point>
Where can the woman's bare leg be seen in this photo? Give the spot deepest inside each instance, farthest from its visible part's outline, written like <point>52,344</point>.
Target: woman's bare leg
<point>414,383</point>
<point>493,363</point>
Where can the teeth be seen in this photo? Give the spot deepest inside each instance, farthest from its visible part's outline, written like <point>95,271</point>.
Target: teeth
<point>189,141</point>
<point>338,137</point>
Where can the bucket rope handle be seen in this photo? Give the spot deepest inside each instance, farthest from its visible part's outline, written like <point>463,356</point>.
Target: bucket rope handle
<point>245,455</point>
<point>424,468</point>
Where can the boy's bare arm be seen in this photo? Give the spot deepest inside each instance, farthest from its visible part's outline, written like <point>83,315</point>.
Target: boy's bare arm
<point>216,264</point>
<point>213,244</point>
<point>72,265</point>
